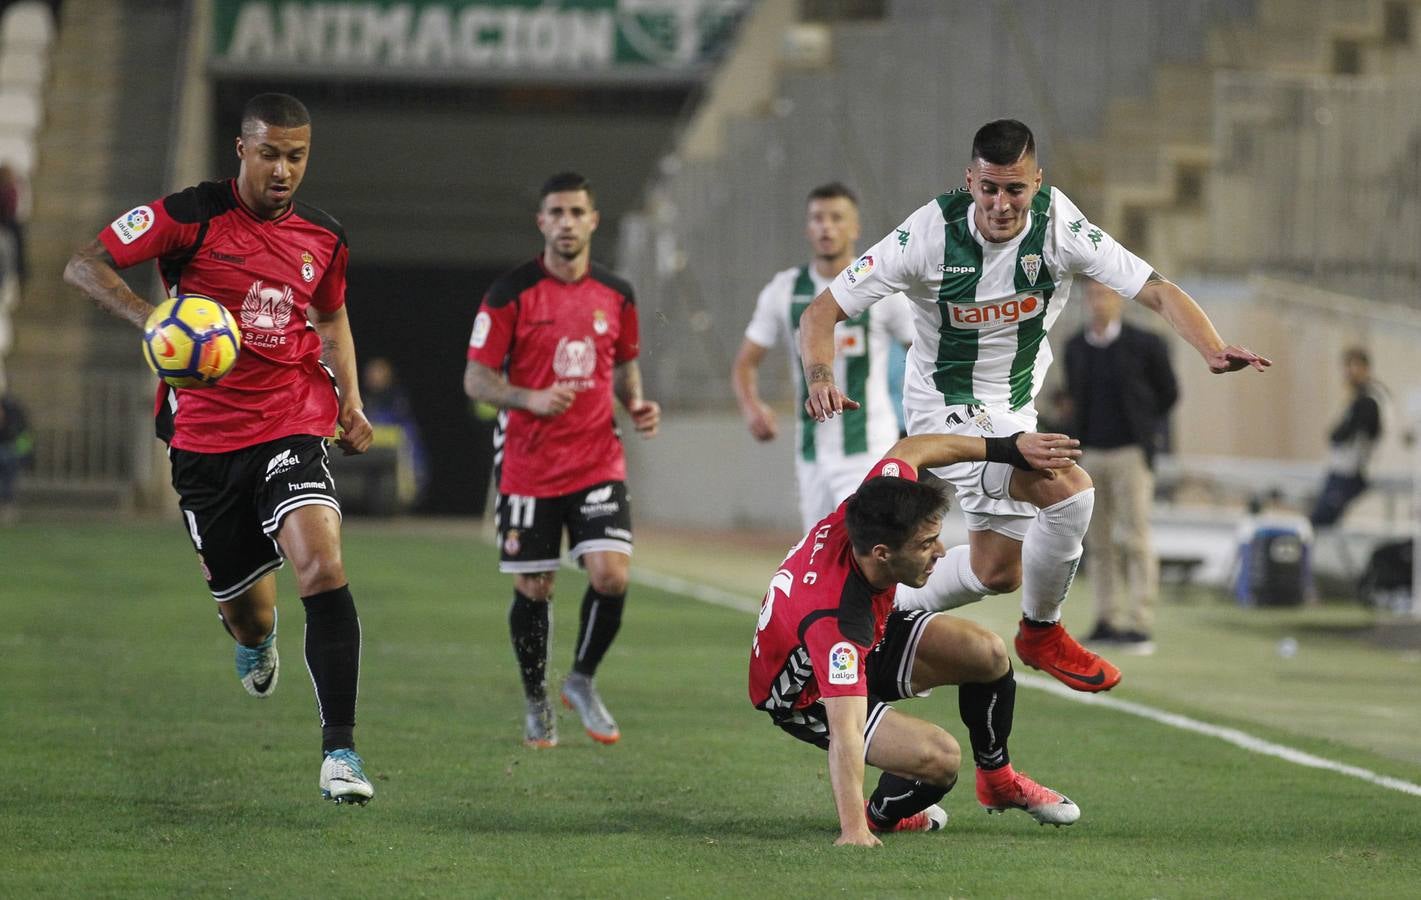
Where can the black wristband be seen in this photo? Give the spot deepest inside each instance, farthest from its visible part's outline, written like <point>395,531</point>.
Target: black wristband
<point>1004,450</point>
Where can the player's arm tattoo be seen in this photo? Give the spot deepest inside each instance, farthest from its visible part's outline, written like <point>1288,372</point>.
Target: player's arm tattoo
<point>820,372</point>
<point>92,270</point>
<point>626,382</point>
<point>483,383</point>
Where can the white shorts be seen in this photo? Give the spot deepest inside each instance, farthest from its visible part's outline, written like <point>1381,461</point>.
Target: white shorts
<point>824,485</point>
<point>982,487</point>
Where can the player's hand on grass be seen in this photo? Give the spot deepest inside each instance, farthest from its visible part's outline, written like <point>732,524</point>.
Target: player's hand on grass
<point>355,432</point>
<point>646,417</point>
<point>761,420</point>
<point>1234,357</point>
<point>858,837</point>
<point>826,400</point>
<point>551,401</point>
<point>1048,451</point>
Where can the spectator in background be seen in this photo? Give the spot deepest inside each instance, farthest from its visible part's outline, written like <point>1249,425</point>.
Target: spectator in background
<point>1352,441</point>
<point>1121,387</point>
<point>10,223</point>
<point>15,447</point>
<point>386,403</point>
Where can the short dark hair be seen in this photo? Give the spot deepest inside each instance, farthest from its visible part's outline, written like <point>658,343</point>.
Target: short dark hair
<point>889,511</point>
<point>567,181</point>
<point>1003,142</point>
<point>832,190</point>
<point>281,110</point>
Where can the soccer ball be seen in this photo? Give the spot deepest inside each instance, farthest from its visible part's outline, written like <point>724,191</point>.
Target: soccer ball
<point>191,341</point>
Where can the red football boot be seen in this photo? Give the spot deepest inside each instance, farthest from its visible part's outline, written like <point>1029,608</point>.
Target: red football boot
<point>1052,650</point>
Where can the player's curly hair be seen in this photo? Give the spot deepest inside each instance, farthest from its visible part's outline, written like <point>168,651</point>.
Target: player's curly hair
<point>281,110</point>
<point>889,511</point>
<point>1003,142</point>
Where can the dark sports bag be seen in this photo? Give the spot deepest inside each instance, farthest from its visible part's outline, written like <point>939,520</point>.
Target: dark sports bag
<point>1386,581</point>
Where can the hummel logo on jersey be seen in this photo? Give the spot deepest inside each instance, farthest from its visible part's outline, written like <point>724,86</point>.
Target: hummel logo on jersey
<point>281,462</point>
<point>991,315</point>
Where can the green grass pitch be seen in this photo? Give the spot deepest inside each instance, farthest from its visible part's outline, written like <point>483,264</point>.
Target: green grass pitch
<point>133,764</point>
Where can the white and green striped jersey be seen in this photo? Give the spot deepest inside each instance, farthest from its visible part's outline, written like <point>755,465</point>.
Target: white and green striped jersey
<point>860,364</point>
<point>981,309</point>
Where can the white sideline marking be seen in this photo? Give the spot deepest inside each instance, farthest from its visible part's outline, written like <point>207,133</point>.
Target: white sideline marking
<point>731,600</point>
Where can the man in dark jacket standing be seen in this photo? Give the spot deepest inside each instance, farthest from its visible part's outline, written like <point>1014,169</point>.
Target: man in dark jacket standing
<point>1121,387</point>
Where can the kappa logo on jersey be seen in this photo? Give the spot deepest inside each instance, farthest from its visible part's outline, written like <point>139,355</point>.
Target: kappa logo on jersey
<point>574,358</point>
<point>859,269</point>
<point>131,225</point>
<point>843,663</point>
<point>281,462</point>
<point>266,309</point>
<point>308,271</point>
<point>890,470</point>
<point>991,315</point>
<point>599,321</point>
<point>482,324</point>
<point>1031,265</point>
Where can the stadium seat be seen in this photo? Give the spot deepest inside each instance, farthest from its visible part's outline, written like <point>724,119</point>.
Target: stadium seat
<point>19,152</point>
<point>19,112</point>
<point>28,24</point>
<point>23,68</point>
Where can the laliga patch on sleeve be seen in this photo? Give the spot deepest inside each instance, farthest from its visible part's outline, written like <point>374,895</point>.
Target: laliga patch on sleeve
<point>859,269</point>
<point>131,225</point>
<point>843,663</point>
<point>482,324</point>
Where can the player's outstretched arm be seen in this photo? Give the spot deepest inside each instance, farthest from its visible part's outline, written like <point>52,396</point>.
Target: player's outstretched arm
<point>846,721</point>
<point>484,384</point>
<point>1190,322</point>
<point>816,354</point>
<point>92,270</point>
<point>1025,450</point>
<point>626,384</point>
<point>338,352</point>
<point>745,381</point>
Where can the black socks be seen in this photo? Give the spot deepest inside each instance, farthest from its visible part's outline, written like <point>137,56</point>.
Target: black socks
<point>897,798</point>
<point>528,621</point>
<point>986,710</point>
<point>333,656</point>
<point>601,619</point>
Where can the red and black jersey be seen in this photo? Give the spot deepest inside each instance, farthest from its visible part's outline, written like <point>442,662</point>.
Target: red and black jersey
<point>542,331</point>
<point>268,273</point>
<point>820,618</point>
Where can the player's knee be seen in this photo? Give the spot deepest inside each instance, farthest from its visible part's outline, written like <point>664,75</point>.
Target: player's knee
<point>1001,576</point>
<point>1066,484</point>
<point>609,583</point>
<point>537,587</point>
<point>941,759</point>
<point>318,573</point>
<point>990,654</point>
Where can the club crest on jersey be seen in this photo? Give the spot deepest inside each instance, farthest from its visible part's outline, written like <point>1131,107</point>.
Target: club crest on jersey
<point>599,321</point>
<point>575,358</point>
<point>308,271</point>
<point>511,544</point>
<point>890,470</point>
<point>131,225</point>
<point>995,313</point>
<point>1031,265</point>
<point>843,663</point>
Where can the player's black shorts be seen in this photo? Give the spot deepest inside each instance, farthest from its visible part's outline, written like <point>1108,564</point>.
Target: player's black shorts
<point>530,528</point>
<point>889,670</point>
<point>233,504</point>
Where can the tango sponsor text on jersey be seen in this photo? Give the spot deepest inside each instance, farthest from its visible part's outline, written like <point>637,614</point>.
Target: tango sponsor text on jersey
<point>542,331</point>
<point>982,309</point>
<point>819,619</point>
<point>267,272</point>
<point>860,365</point>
